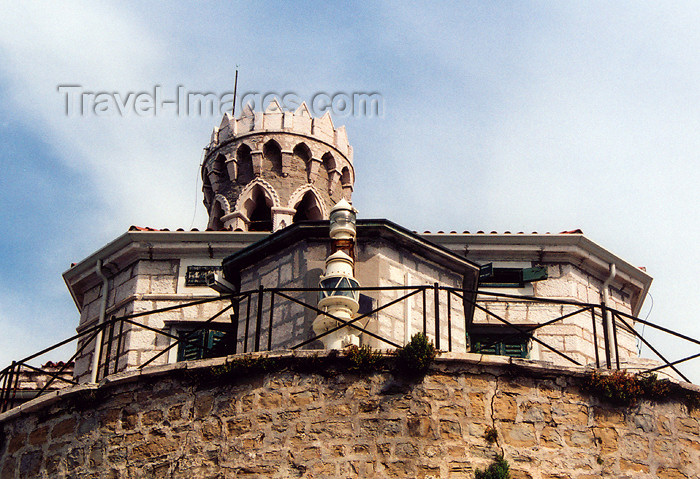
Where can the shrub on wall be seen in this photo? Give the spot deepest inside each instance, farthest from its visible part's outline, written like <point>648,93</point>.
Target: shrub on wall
<point>498,469</point>
<point>625,389</point>
<point>415,357</point>
<point>364,359</point>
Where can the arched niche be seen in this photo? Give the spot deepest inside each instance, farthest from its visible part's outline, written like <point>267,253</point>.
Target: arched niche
<point>219,209</point>
<point>345,177</point>
<point>308,208</point>
<point>258,209</point>
<point>325,173</point>
<point>245,164</point>
<point>302,159</point>
<point>219,168</point>
<point>272,157</point>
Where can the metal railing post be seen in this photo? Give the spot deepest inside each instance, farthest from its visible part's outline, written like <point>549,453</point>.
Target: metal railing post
<point>235,319</point>
<point>110,338</point>
<point>7,387</point>
<point>17,370</point>
<point>437,315</point>
<point>449,320</point>
<point>119,346</point>
<point>614,329</point>
<point>269,326</point>
<point>595,339</point>
<point>247,324</point>
<point>425,316</point>
<point>258,324</point>
<point>606,336</point>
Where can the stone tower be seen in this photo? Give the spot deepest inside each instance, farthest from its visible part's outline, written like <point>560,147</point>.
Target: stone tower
<point>266,170</point>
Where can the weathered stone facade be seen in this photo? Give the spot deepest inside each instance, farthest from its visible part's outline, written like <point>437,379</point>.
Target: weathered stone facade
<point>385,256</point>
<point>146,271</point>
<point>265,170</point>
<point>577,269</point>
<point>313,420</point>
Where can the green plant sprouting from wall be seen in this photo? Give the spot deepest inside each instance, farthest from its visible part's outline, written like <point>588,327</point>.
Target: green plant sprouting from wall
<point>245,365</point>
<point>415,358</point>
<point>625,389</point>
<point>490,434</point>
<point>412,360</point>
<point>364,359</point>
<point>498,469</point>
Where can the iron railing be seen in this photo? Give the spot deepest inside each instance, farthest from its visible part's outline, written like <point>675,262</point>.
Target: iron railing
<point>248,314</point>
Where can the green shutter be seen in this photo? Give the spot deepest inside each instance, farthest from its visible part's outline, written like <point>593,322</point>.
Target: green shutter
<point>484,346</point>
<point>513,347</point>
<point>198,344</point>
<point>190,347</point>
<point>534,274</point>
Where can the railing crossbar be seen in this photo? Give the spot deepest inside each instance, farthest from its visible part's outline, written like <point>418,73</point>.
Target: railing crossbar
<point>661,356</point>
<point>187,336</point>
<point>349,323</point>
<point>54,375</point>
<point>678,361</point>
<point>529,329</point>
<point>539,341</point>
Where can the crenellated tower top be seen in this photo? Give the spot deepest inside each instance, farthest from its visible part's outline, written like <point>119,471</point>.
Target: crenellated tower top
<point>266,170</point>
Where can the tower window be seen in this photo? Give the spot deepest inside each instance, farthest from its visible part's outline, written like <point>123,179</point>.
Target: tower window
<point>302,159</point>
<point>272,157</point>
<point>219,168</point>
<point>259,212</point>
<point>199,345</point>
<point>500,343</point>
<point>510,277</point>
<point>307,209</point>
<point>245,164</point>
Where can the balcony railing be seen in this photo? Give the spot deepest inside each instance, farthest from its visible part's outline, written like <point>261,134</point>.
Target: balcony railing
<point>252,316</point>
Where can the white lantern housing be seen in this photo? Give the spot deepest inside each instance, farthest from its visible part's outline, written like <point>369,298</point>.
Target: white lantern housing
<point>343,217</point>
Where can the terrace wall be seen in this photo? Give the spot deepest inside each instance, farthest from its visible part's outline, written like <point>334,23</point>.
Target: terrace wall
<point>314,419</point>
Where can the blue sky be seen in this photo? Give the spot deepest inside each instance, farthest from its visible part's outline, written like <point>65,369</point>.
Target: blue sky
<point>519,116</point>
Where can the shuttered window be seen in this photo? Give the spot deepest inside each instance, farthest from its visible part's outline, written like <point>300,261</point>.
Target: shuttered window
<point>515,347</point>
<point>510,277</point>
<point>198,345</point>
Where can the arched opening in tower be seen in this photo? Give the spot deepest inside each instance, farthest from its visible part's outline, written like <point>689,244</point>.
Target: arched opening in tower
<point>326,173</point>
<point>302,160</point>
<point>258,211</point>
<point>219,168</point>
<point>308,209</point>
<point>346,182</point>
<point>215,215</point>
<point>245,165</point>
<point>272,157</point>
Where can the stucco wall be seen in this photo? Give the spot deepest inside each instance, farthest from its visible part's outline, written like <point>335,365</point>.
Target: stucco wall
<point>166,422</point>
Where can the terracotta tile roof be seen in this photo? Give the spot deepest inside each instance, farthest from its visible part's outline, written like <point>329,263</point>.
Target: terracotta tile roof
<point>148,228</point>
<point>58,364</point>
<point>576,231</point>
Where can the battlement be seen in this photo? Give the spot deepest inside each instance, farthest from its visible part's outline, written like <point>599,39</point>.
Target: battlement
<point>275,119</point>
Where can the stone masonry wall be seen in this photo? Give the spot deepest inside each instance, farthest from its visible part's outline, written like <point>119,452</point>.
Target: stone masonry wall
<point>378,264</point>
<point>388,267</point>
<point>314,421</point>
<point>145,285</point>
<point>573,335</point>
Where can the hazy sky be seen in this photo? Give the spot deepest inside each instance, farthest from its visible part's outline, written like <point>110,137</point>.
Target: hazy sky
<point>519,116</point>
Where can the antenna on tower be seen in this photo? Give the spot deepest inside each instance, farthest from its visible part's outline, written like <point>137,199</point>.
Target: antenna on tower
<point>235,87</point>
